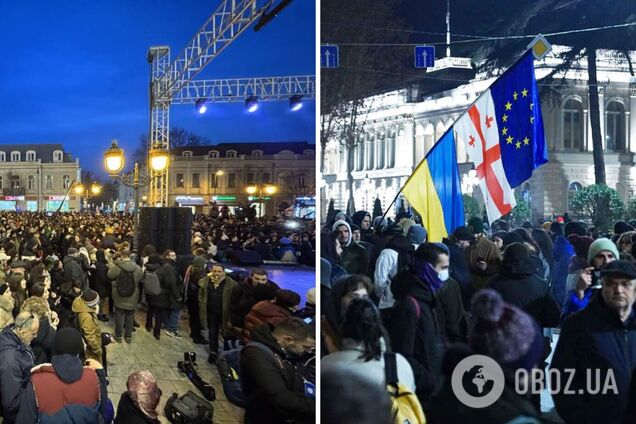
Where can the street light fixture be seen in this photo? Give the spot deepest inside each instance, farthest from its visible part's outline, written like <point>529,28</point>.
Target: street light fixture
<point>159,159</point>
<point>114,158</point>
<point>96,189</point>
<point>267,188</point>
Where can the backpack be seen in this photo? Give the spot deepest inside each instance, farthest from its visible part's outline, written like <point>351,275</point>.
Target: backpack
<point>188,409</point>
<point>125,282</point>
<point>152,287</point>
<point>229,366</point>
<point>405,406</point>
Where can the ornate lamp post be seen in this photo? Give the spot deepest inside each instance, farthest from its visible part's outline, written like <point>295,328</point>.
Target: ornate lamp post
<point>269,189</point>
<point>114,162</point>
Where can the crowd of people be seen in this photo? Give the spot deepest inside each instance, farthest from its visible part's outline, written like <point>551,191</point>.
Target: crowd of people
<point>63,273</point>
<point>508,293</point>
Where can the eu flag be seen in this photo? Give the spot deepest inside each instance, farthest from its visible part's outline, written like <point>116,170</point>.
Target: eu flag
<point>518,113</point>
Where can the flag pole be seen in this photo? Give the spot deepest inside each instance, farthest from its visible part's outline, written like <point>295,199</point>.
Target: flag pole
<point>449,129</point>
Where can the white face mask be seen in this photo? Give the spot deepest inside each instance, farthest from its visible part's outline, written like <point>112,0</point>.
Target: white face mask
<point>443,274</point>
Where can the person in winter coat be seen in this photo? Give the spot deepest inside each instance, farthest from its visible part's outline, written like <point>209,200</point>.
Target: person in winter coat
<point>518,285</point>
<point>85,306</point>
<point>457,243</point>
<point>194,273</point>
<point>42,345</point>
<point>600,337</point>
<point>308,312</point>
<point>335,304</point>
<point>339,249</point>
<point>170,274</point>
<point>65,390</point>
<point>73,270</point>
<point>7,302</point>
<point>482,256</point>
<point>275,389</point>
<point>215,292</point>
<point>124,305</point>
<point>271,312</point>
<point>249,292</point>
<point>395,258</point>
<point>562,252</point>
<point>414,328</point>
<point>138,404</point>
<point>511,338</point>
<point>16,358</point>
<point>103,285</point>
<point>364,342</point>
<point>158,305</point>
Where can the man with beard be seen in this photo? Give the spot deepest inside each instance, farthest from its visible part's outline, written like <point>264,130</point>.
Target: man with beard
<point>248,293</point>
<point>173,283</point>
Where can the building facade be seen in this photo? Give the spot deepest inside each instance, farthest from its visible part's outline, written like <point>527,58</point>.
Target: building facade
<point>37,177</point>
<point>204,176</point>
<point>396,134</point>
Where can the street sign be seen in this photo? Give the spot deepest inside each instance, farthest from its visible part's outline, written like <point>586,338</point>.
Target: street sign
<point>424,56</point>
<point>540,47</point>
<point>329,56</point>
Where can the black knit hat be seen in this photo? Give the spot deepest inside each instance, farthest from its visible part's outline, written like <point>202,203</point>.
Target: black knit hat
<point>287,298</point>
<point>91,298</point>
<point>68,341</point>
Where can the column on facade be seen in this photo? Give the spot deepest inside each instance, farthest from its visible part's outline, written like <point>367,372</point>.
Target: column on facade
<point>601,112</point>
<point>587,131</point>
<point>630,118</point>
<point>405,148</point>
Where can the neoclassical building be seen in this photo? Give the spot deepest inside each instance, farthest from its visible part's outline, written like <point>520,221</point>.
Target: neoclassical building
<point>397,133</point>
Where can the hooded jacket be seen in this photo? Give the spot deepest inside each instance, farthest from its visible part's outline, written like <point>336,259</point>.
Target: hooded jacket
<point>595,338</point>
<point>63,391</point>
<point>92,333</point>
<point>419,340</point>
<point>73,272</point>
<point>353,258</point>
<point>17,361</point>
<point>273,387</point>
<point>246,295</point>
<point>264,312</point>
<point>391,260</point>
<point>128,303</point>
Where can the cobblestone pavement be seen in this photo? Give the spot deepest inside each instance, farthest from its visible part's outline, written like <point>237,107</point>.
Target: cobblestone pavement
<point>161,358</point>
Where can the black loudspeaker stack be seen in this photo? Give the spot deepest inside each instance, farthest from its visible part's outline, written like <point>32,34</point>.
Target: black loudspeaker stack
<point>166,228</point>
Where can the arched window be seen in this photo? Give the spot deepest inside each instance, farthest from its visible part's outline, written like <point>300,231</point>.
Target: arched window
<point>573,188</point>
<point>370,152</point>
<point>572,125</point>
<point>230,154</point>
<point>213,154</point>
<point>186,154</point>
<point>257,153</point>
<point>30,155</point>
<point>66,181</point>
<point>526,195</point>
<point>615,127</point>
<point>15,156</point>
<point>381,146</point>
<point>58,156</point>
<point>3,157</point>
<point>31,182</point>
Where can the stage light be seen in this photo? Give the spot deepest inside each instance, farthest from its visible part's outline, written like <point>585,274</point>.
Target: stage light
<point>251,104</point>
<point>201,106</point>
<point>295,103</point>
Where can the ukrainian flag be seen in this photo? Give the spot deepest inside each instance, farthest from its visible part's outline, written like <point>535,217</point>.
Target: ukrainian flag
<point>434,189</point>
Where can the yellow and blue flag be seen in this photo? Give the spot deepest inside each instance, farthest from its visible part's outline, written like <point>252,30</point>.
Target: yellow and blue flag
<point>434,189</point>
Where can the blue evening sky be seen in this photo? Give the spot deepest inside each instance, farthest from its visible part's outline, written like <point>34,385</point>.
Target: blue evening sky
<point>75,72</point>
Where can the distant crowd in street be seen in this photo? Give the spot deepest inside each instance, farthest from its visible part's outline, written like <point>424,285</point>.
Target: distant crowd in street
<point>63,273</point>
<point>400,312</point>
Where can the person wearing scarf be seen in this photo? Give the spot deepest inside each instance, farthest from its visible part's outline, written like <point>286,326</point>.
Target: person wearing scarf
<point>138,404</point>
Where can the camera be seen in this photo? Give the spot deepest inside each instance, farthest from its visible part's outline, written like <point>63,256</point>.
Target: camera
<point>189,362</point>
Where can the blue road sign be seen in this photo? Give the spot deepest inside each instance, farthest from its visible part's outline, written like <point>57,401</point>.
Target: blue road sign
<point>329,56</point>
<point>424,56</point>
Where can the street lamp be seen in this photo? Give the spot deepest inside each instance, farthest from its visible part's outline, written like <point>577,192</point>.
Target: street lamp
<point>114,163</point>
<point>267,188</point>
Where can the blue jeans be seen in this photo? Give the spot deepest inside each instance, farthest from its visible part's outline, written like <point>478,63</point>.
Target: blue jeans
<point>173,320</point>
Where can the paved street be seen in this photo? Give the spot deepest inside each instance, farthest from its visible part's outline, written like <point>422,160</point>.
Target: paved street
<point>161,357</point>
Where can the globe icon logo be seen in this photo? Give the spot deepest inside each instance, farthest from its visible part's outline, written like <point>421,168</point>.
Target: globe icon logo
<point>477,381</point>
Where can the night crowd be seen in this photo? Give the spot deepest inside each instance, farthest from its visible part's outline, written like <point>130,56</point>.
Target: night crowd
<point>63,273</point>
<point>399,312</point>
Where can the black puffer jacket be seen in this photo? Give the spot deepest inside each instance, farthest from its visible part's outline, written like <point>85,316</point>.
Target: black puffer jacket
<point>168,272</point>
<point>420,339</point>
<point>161,300</point>
<point>272,384</point>
<point>103,285</point>
<point>42,345</point>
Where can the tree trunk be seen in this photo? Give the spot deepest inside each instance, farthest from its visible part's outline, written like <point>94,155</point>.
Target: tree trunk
<point>350,152</point>
<point>595,119</point>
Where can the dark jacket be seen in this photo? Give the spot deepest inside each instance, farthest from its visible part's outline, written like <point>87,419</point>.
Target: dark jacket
<point>452,315</point>
<point>67,392</point>
<point>562,251</point>
<point>170,275</point>
<point>102,283</point>
<point>531,294</point>
<point>17,361</point>
<point>459,270</point>
<point>128,413</point>
<point>204,284</point>
<point>161,300</point>
<point>595,338</point>
<point>128,303</point>
<point>42,345</point>
<point>73,272</point>
<point>445,408</point>
<point>245,296</point>
<point>420,340</point>
<point>272,384</point>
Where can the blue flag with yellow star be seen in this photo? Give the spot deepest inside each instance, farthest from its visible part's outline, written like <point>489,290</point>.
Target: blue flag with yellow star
<point>518,112</point>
